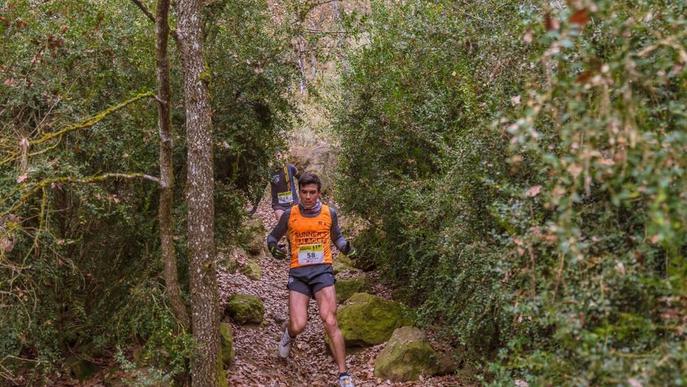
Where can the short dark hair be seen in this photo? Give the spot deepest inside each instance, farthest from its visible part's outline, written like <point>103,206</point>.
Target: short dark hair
<point>309,178</point>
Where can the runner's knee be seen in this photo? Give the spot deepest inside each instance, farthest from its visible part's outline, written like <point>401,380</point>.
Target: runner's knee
<point>297,326</point>
<point>329,320</point>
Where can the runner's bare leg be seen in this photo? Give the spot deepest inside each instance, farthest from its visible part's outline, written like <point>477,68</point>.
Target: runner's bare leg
<point>326,303</point>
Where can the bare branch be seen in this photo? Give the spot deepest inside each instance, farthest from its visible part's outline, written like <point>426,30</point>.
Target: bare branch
<point>150,16</point>
<point>145,10</point>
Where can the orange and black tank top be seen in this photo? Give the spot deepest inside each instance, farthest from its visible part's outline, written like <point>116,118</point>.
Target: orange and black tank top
<point>309,238</point>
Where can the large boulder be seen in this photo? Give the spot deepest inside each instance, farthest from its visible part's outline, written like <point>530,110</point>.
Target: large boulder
<point>252,270</point>
<point>367,320</point>
<point>226,343</point>
<point>245,309</point>
<point>346,287</point>
<point>406,356</point>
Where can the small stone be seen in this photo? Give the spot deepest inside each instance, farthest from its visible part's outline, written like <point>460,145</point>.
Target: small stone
<point>278,318</point>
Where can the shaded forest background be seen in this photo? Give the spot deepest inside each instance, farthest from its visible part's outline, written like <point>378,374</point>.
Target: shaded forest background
<point>516,169</point>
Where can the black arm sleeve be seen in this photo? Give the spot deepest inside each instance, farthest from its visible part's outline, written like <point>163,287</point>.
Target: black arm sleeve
<point>280,229</point>
<point>294,171</point>
<point>273,193</point>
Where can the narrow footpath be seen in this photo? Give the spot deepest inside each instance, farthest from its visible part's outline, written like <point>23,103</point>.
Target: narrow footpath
<point>257,363</point>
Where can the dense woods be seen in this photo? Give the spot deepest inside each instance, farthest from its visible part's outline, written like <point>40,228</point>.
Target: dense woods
<point>521,167</point>
<point>513,171</point>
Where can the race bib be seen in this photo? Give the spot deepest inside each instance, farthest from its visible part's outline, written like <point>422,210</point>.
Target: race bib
<point>285,197</point>
<point>310,254</point>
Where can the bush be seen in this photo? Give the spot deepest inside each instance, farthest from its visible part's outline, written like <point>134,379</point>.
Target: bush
<point>79,261</point>
<point>521,168</point>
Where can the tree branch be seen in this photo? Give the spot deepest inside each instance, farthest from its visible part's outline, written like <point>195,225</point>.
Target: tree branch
<point>145,10</point>
<point>150,16</point>
<point>92,120</point>
<point>70,180</point>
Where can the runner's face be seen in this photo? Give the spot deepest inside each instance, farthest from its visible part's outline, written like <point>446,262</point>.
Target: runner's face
<point>309,195</point>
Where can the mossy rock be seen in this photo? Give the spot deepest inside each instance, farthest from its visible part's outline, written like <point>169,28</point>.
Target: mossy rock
<point>367,320</point>
<point>245,309</point>
<point>231,262</point>
<point>256,238</point>
<point>252,270</point>
<point>346,287</point>
<point>342,264</point>
<point>257,246</point>
<point>406,356</point>
<point>226,343</point>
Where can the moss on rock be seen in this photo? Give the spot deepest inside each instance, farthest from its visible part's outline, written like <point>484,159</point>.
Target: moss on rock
<point>80,369</point>
<point>252,270</point>
<point>346,287</point>
<point>245,309</point>
<point>406,356</point>
<point>255,244</point>
<point>369,320</point>
<point>343,264</point>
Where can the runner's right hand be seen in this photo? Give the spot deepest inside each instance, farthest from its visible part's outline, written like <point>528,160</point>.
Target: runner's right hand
<point>277,252</point>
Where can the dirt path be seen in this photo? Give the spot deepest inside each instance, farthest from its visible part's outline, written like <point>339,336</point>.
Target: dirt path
<point>257,363</point>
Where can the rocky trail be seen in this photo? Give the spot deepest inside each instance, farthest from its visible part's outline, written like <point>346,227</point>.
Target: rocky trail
<point>256,362</point>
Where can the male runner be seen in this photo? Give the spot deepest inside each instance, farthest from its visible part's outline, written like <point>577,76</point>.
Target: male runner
<point>310,228</point>
<point>283,188</point>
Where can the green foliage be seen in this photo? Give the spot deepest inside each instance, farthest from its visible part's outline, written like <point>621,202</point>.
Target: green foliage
<point>521,168</point>
<point>248,60</point>
<point>420,156</point>
<point>146,317</point>
<point>79,262</point>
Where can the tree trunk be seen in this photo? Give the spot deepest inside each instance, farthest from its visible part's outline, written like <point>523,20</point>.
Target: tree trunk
<point>204,298</point>
<point>166,170</point>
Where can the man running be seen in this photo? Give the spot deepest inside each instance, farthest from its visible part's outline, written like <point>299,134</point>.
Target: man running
<point>310,228</point>
<point>283,188</point>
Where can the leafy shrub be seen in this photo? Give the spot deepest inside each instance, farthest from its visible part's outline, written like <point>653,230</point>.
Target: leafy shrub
<point>521,167</point>
<point>79,261</point>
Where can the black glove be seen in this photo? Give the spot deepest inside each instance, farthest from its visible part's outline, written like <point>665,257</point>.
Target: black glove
<point>350,251</point>
<point>277,252</point>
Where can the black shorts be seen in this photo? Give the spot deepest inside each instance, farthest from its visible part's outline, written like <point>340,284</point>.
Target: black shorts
<point>309,279</point>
